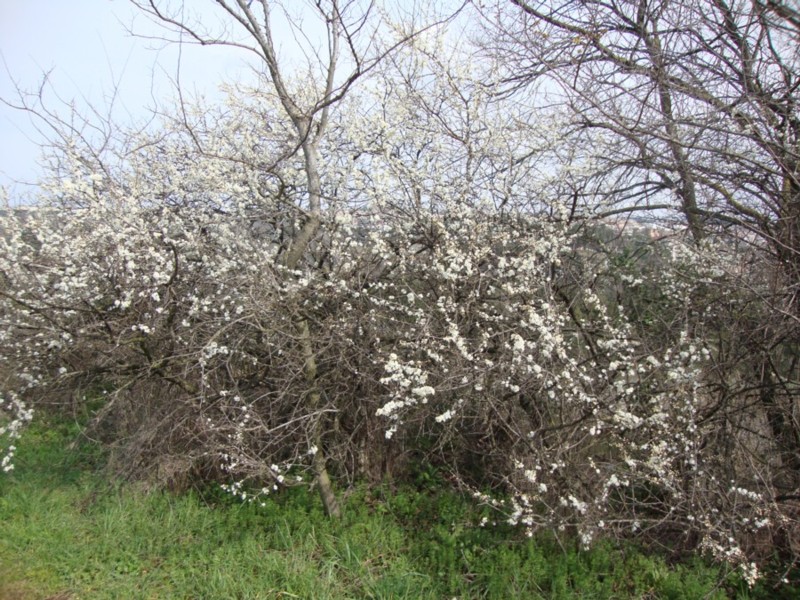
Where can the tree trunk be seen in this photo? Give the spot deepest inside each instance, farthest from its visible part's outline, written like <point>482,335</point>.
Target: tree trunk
<point>686,191</point>
<point>323,480</point>
<point>294,256</point>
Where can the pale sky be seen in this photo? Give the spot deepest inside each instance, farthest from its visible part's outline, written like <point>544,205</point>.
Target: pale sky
<point>84,46</point>
<point>87,51</point>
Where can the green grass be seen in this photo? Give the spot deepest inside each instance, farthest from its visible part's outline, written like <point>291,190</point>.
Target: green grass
<point>65,530</point>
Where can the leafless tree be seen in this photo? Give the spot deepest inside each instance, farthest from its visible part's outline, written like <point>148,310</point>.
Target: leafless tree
<point>690,107</point>
<point>699,98</point>
<point>352,46</point>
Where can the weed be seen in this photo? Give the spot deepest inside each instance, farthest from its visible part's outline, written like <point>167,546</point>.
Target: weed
<point>65,529</point>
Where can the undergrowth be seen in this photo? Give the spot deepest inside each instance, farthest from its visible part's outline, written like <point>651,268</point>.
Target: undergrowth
<point>67,531</point>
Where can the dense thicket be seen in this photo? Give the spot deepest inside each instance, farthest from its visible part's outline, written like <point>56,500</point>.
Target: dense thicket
<point>429,265</point>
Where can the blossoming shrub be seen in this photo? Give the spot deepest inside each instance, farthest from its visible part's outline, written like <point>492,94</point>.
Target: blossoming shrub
<point>454,309</point>
<point>529,380</point>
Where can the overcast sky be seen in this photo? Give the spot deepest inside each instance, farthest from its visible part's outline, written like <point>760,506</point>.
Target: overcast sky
<point>84,46</point>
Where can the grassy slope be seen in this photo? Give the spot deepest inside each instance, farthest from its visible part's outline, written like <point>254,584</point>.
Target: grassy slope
<point>67,533</point>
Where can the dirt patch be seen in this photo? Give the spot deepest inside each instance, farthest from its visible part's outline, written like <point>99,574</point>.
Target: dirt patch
<point>22,590</point>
